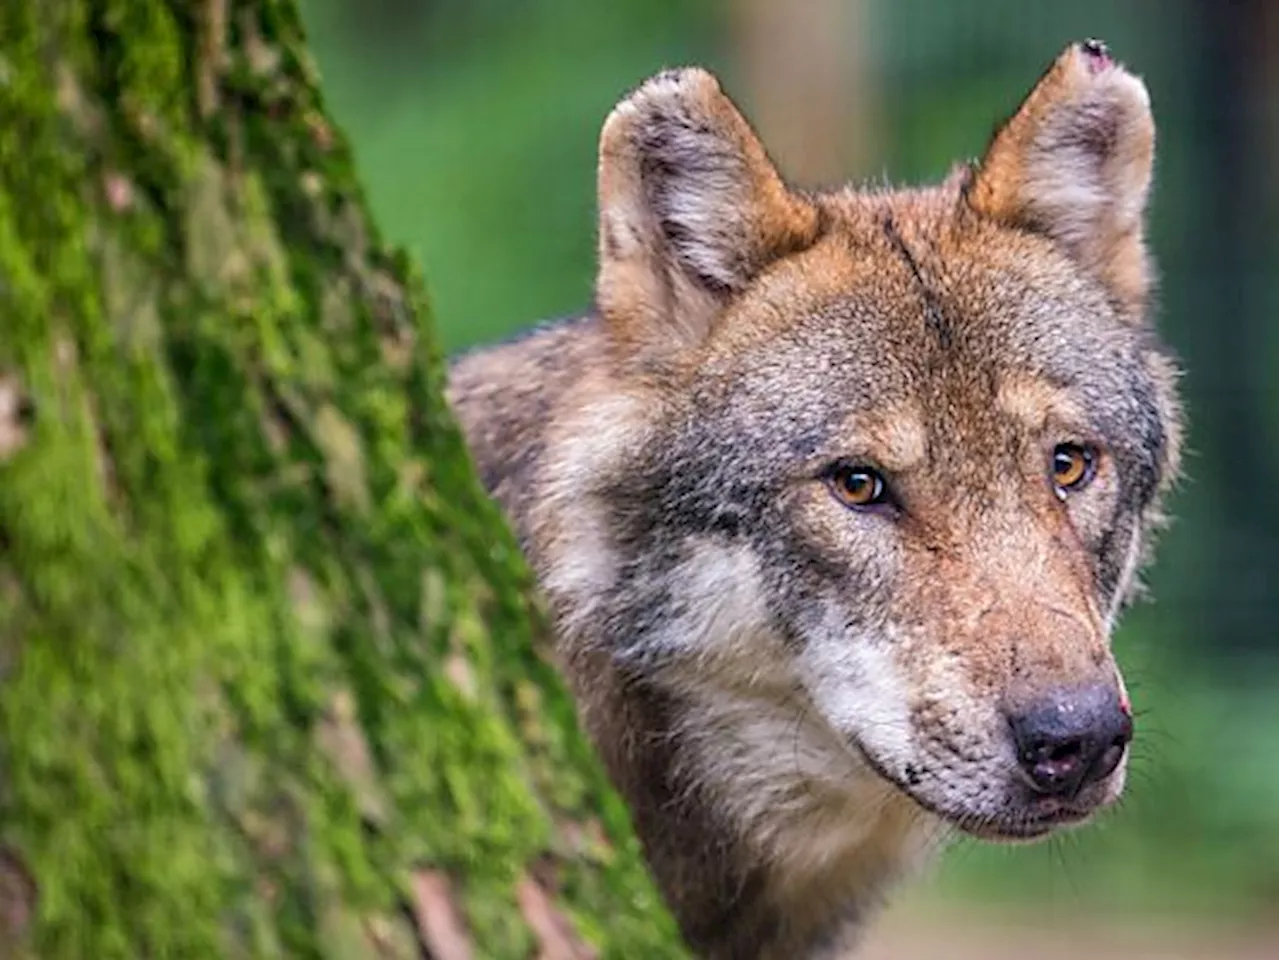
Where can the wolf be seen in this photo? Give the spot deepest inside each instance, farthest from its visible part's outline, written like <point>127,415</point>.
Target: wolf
<point>834,497</point>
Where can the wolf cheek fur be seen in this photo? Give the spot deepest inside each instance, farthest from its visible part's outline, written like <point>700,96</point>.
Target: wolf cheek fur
<point>799,692</point>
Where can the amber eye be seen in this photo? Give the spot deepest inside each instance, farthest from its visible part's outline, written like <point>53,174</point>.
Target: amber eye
<point>856,486</point>
<point>1072,466</point>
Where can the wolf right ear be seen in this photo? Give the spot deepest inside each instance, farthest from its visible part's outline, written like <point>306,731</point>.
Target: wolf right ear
<point>1074,163</point>
<point>691,209</point>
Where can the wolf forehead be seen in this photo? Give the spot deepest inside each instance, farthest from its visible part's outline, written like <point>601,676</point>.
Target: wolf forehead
<point>893,318</point>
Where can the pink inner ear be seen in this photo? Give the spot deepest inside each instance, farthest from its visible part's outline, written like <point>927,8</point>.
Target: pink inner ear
<point>1099,58</point>
<point>1125,706</point>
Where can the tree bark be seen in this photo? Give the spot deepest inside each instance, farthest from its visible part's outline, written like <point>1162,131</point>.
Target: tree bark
<point>270,680</point>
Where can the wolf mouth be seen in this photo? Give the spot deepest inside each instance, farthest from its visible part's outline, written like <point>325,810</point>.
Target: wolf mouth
<point>1010,826</point>
<point>1024,827</point>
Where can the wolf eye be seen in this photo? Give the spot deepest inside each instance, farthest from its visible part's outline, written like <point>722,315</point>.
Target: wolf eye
<point>856,486</point>
<point>1073,466</point>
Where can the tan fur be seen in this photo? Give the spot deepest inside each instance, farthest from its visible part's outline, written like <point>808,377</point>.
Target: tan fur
<point>1036,402</point>
<point>800,700</point>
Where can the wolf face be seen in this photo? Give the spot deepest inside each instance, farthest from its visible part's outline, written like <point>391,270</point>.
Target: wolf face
<point>852,486</point>
<point>936,473</point>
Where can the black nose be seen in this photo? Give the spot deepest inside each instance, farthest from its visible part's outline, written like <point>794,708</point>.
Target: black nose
<point>1072,739</point>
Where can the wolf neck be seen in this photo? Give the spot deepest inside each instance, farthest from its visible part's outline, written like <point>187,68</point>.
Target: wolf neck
<point>768,838</point>
<point>830,833</point>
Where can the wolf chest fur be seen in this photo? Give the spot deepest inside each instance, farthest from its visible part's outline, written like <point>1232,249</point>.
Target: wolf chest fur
<point>835,497</point>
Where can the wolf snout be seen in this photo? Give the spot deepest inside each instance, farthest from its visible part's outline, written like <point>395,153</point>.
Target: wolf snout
<point>1071,738</point>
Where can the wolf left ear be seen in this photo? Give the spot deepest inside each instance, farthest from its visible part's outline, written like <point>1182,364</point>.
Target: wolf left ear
<point>691,210</point>
<point>1074,163</point>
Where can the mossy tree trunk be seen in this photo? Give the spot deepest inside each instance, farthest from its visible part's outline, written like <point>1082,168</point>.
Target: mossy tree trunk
<point>270,684</point>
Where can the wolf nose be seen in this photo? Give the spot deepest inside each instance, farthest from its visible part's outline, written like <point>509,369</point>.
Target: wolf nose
<point>1074,738</point>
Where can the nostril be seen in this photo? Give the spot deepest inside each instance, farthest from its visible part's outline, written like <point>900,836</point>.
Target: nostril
<point>1053,766</point>
<point>1064,752</point>
<point>1110,759</point>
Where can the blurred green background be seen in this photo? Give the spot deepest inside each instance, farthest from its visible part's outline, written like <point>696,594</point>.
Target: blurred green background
<point>474,124</point>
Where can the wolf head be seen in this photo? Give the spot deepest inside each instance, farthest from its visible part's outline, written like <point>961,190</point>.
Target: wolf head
<point>884,462</point>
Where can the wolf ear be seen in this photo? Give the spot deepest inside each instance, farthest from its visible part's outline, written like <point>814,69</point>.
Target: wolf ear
<point>1074,163</point>
<point>691,210</point>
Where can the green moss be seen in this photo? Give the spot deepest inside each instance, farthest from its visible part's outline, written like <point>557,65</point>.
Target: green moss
<point>243,542</point>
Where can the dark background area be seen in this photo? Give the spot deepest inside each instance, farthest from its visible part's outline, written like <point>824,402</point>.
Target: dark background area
<point>475,124</point>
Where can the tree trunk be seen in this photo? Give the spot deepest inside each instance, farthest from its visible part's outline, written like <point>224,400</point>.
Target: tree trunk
<point>270,683</point>
<point>808,72</point>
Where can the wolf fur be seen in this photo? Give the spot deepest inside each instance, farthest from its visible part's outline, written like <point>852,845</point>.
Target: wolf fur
<point>800,699</point>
